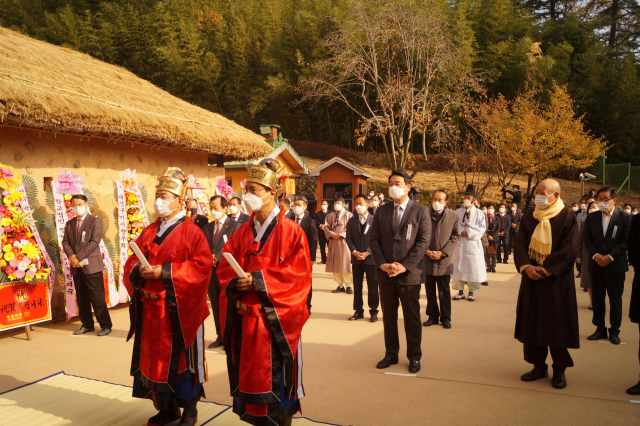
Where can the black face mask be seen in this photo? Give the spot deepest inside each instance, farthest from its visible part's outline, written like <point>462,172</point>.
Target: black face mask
<point>194,211</point>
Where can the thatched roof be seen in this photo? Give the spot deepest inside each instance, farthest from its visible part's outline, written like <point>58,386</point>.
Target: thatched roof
<point>49,87</point>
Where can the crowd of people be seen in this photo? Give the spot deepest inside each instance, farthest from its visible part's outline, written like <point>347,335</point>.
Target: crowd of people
<point>256,271</point>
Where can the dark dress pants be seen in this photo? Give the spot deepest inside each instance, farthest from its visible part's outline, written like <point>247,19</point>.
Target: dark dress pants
<point>501,246</point>
<point>537,355</point>
<point>309,298</point>
<point>90,292</point>
<point>214,297</point>
<point>392,295</point>
<point>444,296</point>
<point>605,283</point>
<point>512,238</point>
<point>373,298</point>
<point>322,239</point>
<point>490,259</point>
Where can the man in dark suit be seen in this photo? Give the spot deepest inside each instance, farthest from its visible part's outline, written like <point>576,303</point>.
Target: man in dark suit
<point>634,259</point>
<point>234,211</point>
<point>374,203</point>
<point>400,236</point>
<point>218,233</point>
<point>492,236</point>
<point>605,236</point>
<point>81,244</point>
<point>322,238</point>
<point>358,232</point>
<point>197,219</point>
<point>516,194</point>
<point>300,215</point>
<point>514,216</point>
<point>501,245</point>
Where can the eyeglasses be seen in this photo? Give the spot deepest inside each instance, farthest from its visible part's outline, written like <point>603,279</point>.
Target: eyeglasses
<point>256,190</point>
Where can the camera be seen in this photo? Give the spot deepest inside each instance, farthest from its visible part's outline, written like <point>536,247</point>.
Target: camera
<point>587,176</point>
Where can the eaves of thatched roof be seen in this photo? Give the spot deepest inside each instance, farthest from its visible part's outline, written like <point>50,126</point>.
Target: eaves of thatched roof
<point>49,87</point>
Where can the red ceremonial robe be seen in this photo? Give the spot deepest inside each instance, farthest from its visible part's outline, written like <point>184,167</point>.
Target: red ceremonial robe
<point>261,328</point>
<point>167,314</point>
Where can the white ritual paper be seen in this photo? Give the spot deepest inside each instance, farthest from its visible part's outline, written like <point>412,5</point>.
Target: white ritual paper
<point>234,265</point>
<point>139,254</point>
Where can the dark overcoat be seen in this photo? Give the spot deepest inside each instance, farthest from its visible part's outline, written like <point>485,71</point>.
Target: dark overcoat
<point>634,258</point>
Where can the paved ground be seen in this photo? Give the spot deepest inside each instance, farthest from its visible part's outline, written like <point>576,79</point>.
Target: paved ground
<point>470,373</point>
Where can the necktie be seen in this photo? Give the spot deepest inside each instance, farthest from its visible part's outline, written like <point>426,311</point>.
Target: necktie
<point>298,220</point>
<point>215,236</point>
<point>79,226</point>
<point>396,219</point>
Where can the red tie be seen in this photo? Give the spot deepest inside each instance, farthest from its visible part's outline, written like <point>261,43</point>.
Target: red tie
<point>79,226</point>
<point>215,236</point>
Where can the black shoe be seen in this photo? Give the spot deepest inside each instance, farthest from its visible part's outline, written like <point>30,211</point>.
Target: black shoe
<point>505,262</point>
<point>488,269</point>
<point>104,332</point>
<point>356,316</point>
<point>216,344</point>
<point>613,338</point>
<point>590,308</point>
<point>374,317</point>
<point>634,390</point>
<point>493,270</point>
<point>598,335</point>
<point>578,276</point>
<point>339,290</point>
<point>585,290</point>
<point>188,421</point>
<point>430,322</point>
<point>558,381</point>
<point>162,418</point>
<point>83,330</point>
<point>349,291</point>
<point>446,324</point>
<point>535,374</point>
<point>484,283</point>
<point>387,362</point>
<point>414,366</point>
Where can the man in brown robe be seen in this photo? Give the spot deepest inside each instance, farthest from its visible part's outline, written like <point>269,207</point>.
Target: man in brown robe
<point>339,255</point>
<point>547,311</point>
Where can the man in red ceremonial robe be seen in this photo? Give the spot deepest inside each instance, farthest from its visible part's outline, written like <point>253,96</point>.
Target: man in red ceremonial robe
<point>262,315</point>
<point>168,307</point>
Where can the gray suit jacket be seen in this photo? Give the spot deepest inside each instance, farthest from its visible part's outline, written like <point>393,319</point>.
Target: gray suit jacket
<point>357,241</point>
<point>87,247</point>
<point>406,247</point>
<point>445,235</point>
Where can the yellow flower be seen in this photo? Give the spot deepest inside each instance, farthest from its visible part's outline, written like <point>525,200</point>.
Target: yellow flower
<point>8,256</point>
<point>43,274</point>
<point>12,277</point>
<point>7,201</point>
<point>3,263</point>
<point>67,196</point>
<point>6,248</point>
<point>6,221</point>
<point>30,250</point>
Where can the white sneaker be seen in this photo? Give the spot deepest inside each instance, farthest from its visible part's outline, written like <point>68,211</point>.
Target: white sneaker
<point>458,297</point>
<point>471,298</point>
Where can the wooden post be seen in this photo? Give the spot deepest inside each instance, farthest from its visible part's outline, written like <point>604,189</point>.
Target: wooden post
<point>27,329</point>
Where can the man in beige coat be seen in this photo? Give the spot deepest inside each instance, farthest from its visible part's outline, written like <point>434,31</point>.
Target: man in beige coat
<point>339,256</point>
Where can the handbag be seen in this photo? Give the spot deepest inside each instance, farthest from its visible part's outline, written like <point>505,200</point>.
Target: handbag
<point>490,249</point>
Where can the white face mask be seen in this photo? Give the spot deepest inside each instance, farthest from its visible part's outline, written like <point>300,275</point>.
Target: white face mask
<point>297,210</point>
<point>484,210</point>
<point>324,208</point>
<point>593,210</point>
<point>381,196</point>
<point>234,210</point>
<point>371,195</point>
<point>491,211</point>
<point>437,206</point>
<point>162,208</point>
<point>501,209</point>
<point>575,209</point>
<point>583,206</point>
<point>513,209</point>
<point>627,211</point>
<point>253,202</point>
<point>542,201</point>
<point>361,209</point>
<point>467,203</point>
<point>634,213</point>
<point>80,211</point>
<point>337,207</point>
<point>603,206</point>
<point>217,215</point>
<point>396,192</point>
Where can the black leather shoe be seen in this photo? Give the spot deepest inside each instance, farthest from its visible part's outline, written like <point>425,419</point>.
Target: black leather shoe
<point>446,324</point>
<point>387,362</point>
<point>493,270</point>
<point>505,262</point>
<point>598,335</point>
<point>430,322</point>
<point>634,390</point>
<point>162,418</point>
<point>558,381</point>
<point>535,374</point>
<point>104,332</point>
<point>613,338</point>
<point>414,366</point>
<point>83,330</point>
<point>356,316</point>
<point>374,317</point>
<point>579,275</point>
<point>216,344</point>
<point>349,291</point>
<point>188,421</point>
<point>484,283</point>
<point>338,290</point>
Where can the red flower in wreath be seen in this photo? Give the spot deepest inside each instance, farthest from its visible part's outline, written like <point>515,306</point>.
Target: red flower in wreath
<point>15,250</point>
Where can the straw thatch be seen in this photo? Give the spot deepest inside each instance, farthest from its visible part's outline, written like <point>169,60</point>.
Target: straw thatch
<point>49,87</point>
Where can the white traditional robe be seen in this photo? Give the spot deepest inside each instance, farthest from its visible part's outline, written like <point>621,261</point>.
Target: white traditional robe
<point>468,259</point>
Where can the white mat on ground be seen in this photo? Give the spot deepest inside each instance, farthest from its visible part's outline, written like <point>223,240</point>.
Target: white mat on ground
<point>63,399</point>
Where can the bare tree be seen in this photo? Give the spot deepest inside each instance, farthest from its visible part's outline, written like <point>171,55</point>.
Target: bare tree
<point>398,66</point>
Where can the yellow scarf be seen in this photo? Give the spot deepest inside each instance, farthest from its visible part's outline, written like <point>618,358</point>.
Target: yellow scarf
<point>540,245</point>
